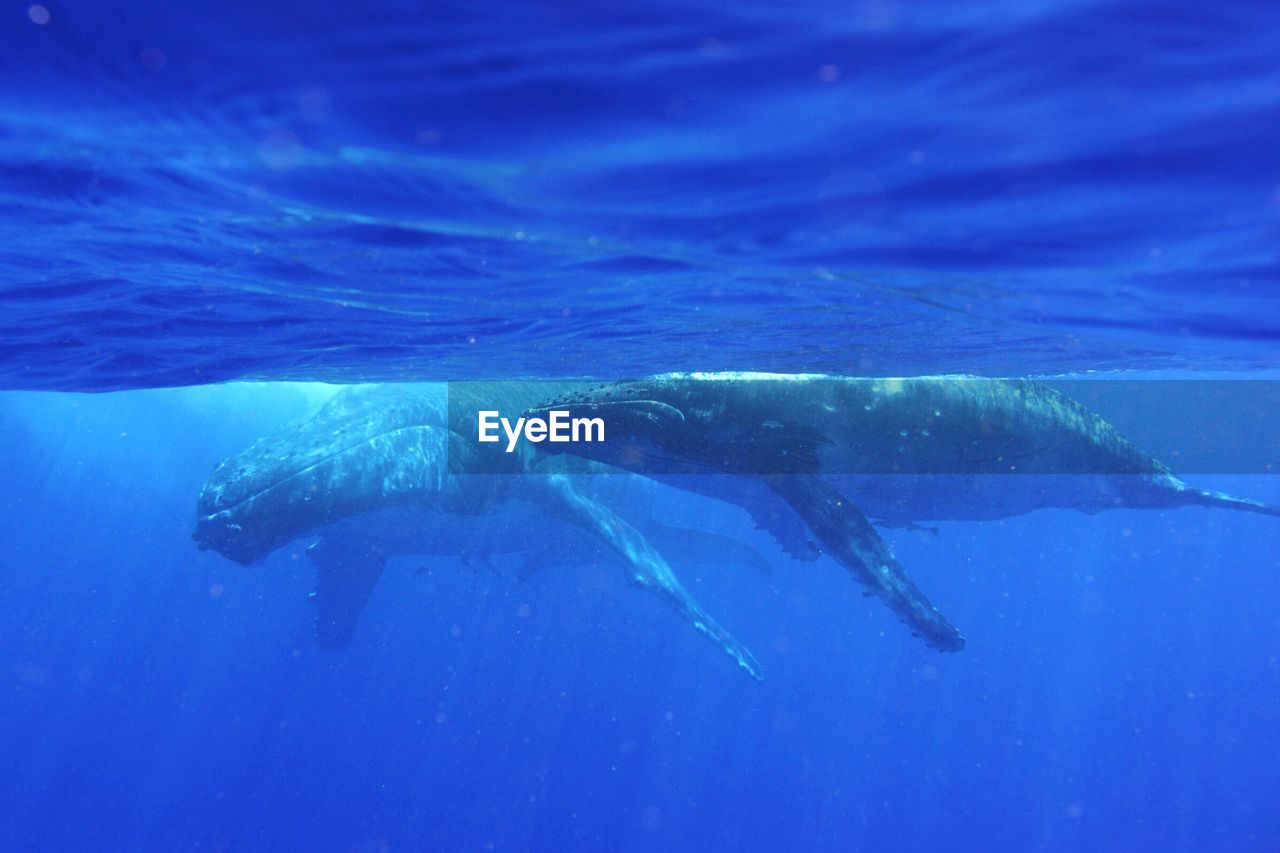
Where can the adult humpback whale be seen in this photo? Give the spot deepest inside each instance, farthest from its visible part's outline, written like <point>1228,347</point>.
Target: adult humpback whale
<point>378,472</point>
<point>902,450</point>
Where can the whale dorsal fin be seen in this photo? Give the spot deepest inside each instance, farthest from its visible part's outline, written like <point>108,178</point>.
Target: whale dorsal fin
<point>346,572</point>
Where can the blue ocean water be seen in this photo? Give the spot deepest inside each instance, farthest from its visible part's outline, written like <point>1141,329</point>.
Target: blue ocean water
<point>192,194</point>
<point>210,191</point>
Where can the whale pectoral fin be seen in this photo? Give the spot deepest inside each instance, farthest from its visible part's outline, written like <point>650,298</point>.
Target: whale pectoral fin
<point>787,529</point>
<point>1205,497</point>
<point>646,567</point>
<point>346,573</point>
<point>844,533</point>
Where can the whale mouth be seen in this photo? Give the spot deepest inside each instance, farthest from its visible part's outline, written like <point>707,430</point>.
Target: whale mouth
<point>629,412</point>
<point>211,534</point>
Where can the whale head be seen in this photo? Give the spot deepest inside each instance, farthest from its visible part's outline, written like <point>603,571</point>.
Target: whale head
<point>365,448</point>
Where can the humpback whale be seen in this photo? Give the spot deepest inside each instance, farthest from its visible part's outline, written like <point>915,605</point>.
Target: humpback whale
<point>377,472</point>
<point>841,451</point>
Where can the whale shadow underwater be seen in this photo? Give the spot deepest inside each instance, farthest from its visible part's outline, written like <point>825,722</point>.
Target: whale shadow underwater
<point>842,451</point>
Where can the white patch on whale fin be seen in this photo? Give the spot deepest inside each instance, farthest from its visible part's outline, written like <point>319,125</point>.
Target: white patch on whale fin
<point>646,567</point>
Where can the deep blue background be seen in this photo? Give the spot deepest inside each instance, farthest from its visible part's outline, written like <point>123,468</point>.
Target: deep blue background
<point>1117,691</point>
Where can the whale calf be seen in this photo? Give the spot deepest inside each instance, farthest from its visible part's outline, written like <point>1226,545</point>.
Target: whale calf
<point>377,472</point>
<point>840,449</point>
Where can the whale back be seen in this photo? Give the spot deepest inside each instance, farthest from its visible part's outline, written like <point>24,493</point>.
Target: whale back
<point>774,424</point>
